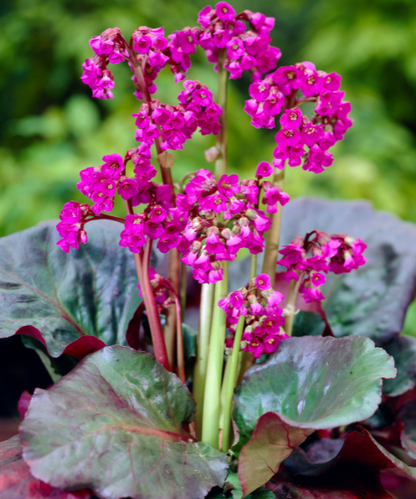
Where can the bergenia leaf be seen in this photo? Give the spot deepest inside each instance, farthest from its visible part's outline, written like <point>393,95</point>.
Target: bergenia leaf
<point>115,424</point>
<point>403,350</point>
<point>368,488</point>
<point>310,383</point>
<point>74,303</point>
<point>360,451</point>
<point>16,482</point>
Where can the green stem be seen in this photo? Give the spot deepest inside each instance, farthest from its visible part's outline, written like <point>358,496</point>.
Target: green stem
<point>200,369</point>
<point>222,137</point>
<point>231,384</point>
<point>273,235</point>
<point>291,303</point>
<point>212,397</point>
<point>253,266</point>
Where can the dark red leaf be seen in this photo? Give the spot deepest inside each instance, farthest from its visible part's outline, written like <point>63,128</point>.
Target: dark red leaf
<point>16,482</point>
<point>23,403</point>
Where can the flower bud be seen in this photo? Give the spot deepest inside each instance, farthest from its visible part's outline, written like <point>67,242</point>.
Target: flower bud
<point>212,154</point>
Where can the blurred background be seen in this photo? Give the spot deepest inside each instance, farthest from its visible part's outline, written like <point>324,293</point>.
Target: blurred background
<point>51,128</point>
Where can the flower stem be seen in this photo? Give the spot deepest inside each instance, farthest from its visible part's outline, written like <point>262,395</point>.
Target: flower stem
<point>180,358</point>
<point>171,321</point>
<point>291,303</point>
<point>212,397</point>
<point>273,235</point>
<point>142,268</point>
<point>222,137</point>
<point>173,271</point>
<point>200,369</point>
<point>182,288</point>
<point>231,384</point>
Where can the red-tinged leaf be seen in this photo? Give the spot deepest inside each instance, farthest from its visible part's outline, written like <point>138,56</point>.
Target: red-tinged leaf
<point>309,383</point>
<point>359,452</point>
<point>408,436</point>
<point>368,487</point>
<point>74,303</point>
<point>115,424</point>
<point>23,403</point>
<point>272,442</point>
<point>133,329</point>
<point>16,482</point>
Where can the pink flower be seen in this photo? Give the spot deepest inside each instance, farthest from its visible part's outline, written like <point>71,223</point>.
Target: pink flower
<point>228,185</point>
<point>264,169</point>
<point>224,11</point>
<point>291,118</point>
<point>288,137</point>
<point>259,91</point>
<point>235,48</point>
<point>113,166</point>
<point>263,282</point>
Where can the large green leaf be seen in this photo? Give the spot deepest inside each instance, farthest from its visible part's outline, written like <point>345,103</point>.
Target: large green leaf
<point>115,424</point>
<point>310,383</point>
<point>403,350</point>
<point>87,296</point>
<point>371,301</point>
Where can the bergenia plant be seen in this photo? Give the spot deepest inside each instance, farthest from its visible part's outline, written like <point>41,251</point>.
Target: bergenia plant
<point>280,392</point>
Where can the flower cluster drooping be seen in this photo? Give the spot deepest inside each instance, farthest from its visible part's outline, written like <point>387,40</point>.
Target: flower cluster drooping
<point>71,227</point>
<point>222,217</point>
<point>263,317</point>
<point>327,125</point>
<point>246,50</point>
<point>337,253</point>
<point>109,47</point>
<point>161,289</point>
<point>176,124</point>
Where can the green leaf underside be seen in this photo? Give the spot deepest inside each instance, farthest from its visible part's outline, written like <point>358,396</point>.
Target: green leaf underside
<point>403,350</point>
<point>91,291</point>
<point>115,425</point>
<point>234,485</point>
<point>310,383</point>
<point>16,482</point>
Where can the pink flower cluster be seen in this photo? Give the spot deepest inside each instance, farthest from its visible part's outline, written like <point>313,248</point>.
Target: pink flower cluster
<point>109,47</point>
<point>327,126</point>
<point>221,218</point>
<point>150,45</point>
<point>182,44</point>
<point>176,124</point>
<point>71,227</point>
<point>263,317</point>
<point>337,253</point>
<point>246,50</point>
<point>101,183</point>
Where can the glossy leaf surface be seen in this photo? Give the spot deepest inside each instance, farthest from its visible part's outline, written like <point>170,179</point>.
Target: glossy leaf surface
<point>115,424</point>
<point>74,303</point>
<point>310,383</point>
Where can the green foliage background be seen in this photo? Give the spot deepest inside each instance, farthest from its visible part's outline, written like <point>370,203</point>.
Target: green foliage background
<point>51,128</point>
